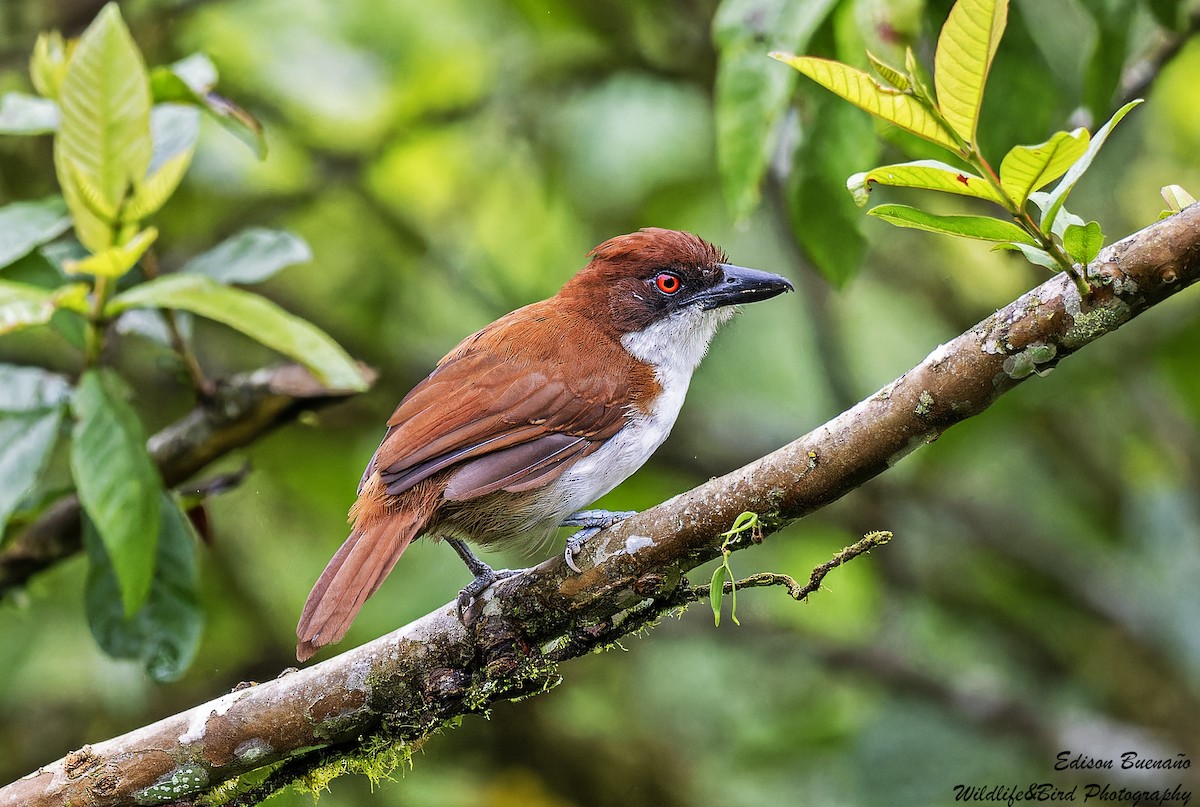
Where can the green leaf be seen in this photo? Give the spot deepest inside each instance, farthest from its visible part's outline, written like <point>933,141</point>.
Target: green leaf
<point>114,261</point>
<point>888,73</point>
<point>25,225</point>
<point>1064,219</point>
<point>191,81</point>
<point>828,223</point>
<point>752,92</point>
<point>921,87</point>
<point>22,114</point>
<point>48,64</point>
<point>1033,254</point>
<point>164,633</point>
<point>174,130</point>
<point>1059,195</point>
<point>964,56</point>
<point>926,174</point>
<point>118,484</point>
<point>251,256</point>
<point>983,228</point>
<point>855,86</point>
<point>1083,243</point>
<point>25,390</point>
<point>27,439</point>
<point>1026,168</point>
<point>103,144</point>
<point>716,592</point>
<point>1176,197</point>
<point>24,306</point>
<point>254,316</point>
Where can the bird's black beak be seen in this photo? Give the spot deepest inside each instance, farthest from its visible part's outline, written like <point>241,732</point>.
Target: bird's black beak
<point>741,285</point>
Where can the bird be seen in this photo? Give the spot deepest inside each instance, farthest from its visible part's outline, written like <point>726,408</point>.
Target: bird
<point>536,416</point>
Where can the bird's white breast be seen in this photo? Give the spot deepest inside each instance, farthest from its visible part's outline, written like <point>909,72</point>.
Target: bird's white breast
<point>673,347</point>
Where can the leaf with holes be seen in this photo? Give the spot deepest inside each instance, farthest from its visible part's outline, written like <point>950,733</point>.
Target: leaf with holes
<point>926,174</point>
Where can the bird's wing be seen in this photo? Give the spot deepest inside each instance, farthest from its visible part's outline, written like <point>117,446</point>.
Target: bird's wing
<point>508,412</point>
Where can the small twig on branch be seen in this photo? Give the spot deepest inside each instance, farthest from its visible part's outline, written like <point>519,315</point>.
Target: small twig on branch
<point>796,591</point>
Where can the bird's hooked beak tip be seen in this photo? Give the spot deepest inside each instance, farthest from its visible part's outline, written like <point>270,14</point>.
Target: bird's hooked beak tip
<point>740,284</point>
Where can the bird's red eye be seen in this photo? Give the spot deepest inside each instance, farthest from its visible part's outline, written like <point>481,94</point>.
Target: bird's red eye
<point>668,283</point>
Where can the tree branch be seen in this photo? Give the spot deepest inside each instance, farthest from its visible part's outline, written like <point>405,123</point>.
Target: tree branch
<point>379,701</point>
<point>243,409</point>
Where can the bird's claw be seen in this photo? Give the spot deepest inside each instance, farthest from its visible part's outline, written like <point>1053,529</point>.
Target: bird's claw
<point>468,597</point>
<point>590,523</point>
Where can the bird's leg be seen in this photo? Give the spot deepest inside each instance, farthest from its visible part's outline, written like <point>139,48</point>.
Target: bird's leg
<point>590,522</point>
<point>484,575</point>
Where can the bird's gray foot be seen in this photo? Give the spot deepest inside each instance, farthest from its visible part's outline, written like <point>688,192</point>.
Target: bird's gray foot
<point>590,522</point>
<point>484,577</point>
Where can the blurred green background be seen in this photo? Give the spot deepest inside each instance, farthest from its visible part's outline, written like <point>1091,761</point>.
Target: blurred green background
<point>450,161</point>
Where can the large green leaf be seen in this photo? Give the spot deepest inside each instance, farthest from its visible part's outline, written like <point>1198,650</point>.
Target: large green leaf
<point>1063,189</point>
<point>251,256</point>
<point>254,316</point>
<point>25,225</point>
<point>836,139</point>
<point>164,633</point>
<point>752,91</point>
<point>103,144</point>
<point>1026,168</point>
<point>27,439</point>
<point>22,114</point>
<point>926,174</point>
<point>964,56</point>
<point>983,228</point>
<point>118,484</point>
<point>857,87</point>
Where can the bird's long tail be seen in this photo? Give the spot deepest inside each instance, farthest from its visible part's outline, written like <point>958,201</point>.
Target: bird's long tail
<point>378,539</point>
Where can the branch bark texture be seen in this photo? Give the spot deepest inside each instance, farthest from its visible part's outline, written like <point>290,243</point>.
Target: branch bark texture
<point>393,691</point>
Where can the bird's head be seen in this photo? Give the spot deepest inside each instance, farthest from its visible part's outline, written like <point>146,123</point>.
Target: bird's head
<point>666,292</point>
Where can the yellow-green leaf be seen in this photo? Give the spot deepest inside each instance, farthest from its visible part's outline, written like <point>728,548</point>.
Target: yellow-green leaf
<point>983,228</point>
<point>1063,189</point>
<point>1027,168</point>
<point>24,306</point>
<point>103,139</point>
<point>48,64</point>
<point>926,174</point>
<point>888,73</point>
<point>964,55</point>
<point>1176,197</point>
<point>255,316</point>
<point>857,87</point>
<point>1083,243</point>
<point>116,260</point>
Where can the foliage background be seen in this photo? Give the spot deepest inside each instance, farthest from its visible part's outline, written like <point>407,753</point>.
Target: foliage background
<point>449,162</point>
